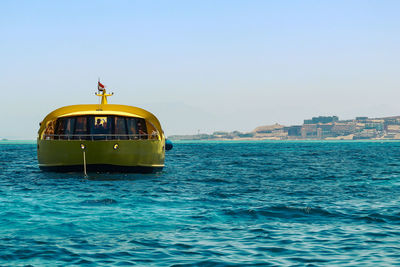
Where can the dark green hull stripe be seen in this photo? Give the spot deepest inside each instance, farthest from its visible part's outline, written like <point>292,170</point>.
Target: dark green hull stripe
<point>101,168</point>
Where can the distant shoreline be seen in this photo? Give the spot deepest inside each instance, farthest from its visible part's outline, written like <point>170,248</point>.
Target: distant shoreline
<point>289,141</point>
<point>238,141</point>
<point>317,128</point>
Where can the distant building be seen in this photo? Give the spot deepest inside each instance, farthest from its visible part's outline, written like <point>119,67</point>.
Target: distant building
<point>393,128</point>
<point>309,131</point>
<point>325,130</point>
<point>245,135</point>
<point>220,133</point>
<point>344,128</point>
<point>366,134</point>
<point>374,125</point>
<point>322,119</point>
<point>269,129</point>
<point>391,121</point>
<point>361,119</point>
<point>293,130</point>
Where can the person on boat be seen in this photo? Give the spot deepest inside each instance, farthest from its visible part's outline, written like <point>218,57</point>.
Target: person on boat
<point>142,134</point>
<point>99,125</point>
<point>99,130</point>
<point>49,132</point>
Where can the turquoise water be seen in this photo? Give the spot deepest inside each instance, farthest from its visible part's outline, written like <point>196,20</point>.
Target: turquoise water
<point>220,203</point>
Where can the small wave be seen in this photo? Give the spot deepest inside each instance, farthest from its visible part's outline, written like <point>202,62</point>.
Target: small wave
<point>148,243</point>
<point>308,260</point>
<point>281,212</point>
<point>104,201</point>
<point>215,180</point>
<point>219,194</point>
<point>377,234</point>
<point>382,218</point>
<point>372,219</point>
<point>274,249</point>
<point>83,262</point>
<point>182,246</point>
<point>50,253</point>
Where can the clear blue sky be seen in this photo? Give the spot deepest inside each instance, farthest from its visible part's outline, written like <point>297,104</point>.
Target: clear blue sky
<point>200,65</point>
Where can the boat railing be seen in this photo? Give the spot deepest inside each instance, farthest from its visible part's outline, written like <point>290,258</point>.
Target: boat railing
<point>95,137</point>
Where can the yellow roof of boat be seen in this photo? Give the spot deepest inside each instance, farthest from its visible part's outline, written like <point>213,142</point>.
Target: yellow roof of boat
<point>100,109</point>
<point>96,109</point>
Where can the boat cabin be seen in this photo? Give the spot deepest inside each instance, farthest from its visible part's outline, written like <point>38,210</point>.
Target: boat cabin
<point>100,127</point>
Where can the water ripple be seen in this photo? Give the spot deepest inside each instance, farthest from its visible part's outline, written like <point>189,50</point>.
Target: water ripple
<point>215,204</point>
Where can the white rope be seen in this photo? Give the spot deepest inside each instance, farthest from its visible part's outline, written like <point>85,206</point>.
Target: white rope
<point>84,163</point>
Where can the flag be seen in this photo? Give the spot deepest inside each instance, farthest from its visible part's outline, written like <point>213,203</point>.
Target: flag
<point>100,86</point>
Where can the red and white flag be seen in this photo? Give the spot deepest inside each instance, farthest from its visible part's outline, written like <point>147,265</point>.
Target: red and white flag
<point>100,86</point>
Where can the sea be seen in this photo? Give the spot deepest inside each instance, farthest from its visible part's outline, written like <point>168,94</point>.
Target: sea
<point>255,203</point>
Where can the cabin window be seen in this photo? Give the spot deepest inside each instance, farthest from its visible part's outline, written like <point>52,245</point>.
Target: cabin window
<point>153,134</point>
<point>49,132</point>
<point>65,128</point>
<point>131,125</point>
<point>120,128</point>
<point>137,128</point>
<point>142,128</point>
<point>81,129</point>
<point>100,128</point>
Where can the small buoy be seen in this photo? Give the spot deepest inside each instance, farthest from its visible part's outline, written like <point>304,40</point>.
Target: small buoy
<point>168,144</point>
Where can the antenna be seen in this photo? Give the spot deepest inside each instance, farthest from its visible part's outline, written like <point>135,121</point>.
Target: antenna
<point>102,92</point>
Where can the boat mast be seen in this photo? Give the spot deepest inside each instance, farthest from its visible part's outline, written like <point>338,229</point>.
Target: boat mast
<point>102,92</point>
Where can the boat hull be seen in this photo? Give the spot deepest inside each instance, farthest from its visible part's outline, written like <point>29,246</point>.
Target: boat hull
<point>101,168</point>
<point>139,156</point>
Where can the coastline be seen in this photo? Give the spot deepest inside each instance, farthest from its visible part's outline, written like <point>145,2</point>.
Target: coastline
<point>33,142</point>
<point>287,141</point>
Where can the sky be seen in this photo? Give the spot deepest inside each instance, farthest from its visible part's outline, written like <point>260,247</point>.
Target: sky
<point>200,66</point>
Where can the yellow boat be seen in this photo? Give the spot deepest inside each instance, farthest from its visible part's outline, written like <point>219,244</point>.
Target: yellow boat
<point>101,137</point>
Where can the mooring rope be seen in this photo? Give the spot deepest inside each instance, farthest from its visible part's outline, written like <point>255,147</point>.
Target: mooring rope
<point>84,163</point>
